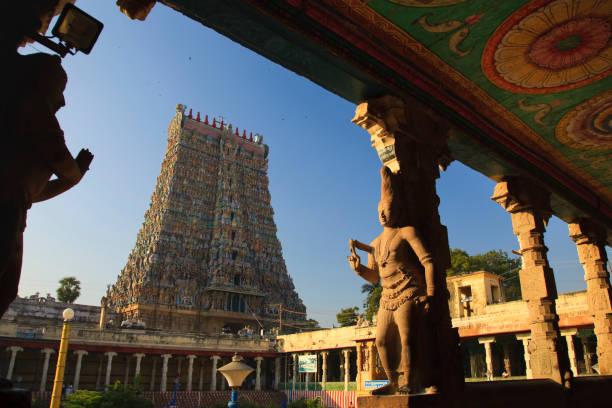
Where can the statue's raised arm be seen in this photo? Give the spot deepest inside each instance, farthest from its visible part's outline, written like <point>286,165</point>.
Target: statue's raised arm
<point>370,272</point>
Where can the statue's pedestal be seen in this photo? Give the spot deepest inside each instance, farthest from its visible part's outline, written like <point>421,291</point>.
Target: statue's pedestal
<point>399,401</point>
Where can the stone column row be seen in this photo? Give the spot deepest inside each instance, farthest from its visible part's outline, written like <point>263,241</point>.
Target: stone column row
<point>109,363</point>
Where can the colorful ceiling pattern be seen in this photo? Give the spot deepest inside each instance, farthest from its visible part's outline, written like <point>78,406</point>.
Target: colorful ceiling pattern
<point>546,63</point>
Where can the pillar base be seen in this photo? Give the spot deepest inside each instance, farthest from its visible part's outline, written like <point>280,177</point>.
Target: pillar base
<point>399,401</point>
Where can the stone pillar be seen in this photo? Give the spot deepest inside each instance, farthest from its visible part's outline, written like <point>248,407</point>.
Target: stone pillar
<point>109,366</point>
<point>277,373</point>
<point>153,370</point>
<point>571,352</point>
<point>507,359</point>
<point>139,357</point>
<point>529,208</point>
<point>77,369</point>
<point>590,242</point>
<point>258,361</point>
<point>411,140</point>
<point>201,379</point>
<point>372,357</point>
<point>14,350</point>
<point>347,368</point>
<point>295,371</point>
<point>486,341</point>
<point>190,357</point>
<point>324,369</point>
<point>43,378</point>
<point>588,360</point>
<point>359,365</point>
<point>213,373</point>
<point>164,374</point>
<point>524,338</point>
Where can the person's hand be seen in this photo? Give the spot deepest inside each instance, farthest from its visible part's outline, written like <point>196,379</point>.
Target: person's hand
<point>83,160</point>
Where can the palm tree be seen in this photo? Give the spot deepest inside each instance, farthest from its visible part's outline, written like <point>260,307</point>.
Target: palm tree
<point>69,289</point>
<point>370,305</point>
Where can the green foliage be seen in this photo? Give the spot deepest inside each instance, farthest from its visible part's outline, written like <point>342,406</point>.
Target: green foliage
<point>69,289</point>
<point>83,399</point>
<point>304,403</point>
<point>372,300</point>
<point>347,317</point>
<point>312,324</point>
<point>117,396</point>
<point>497,262</point>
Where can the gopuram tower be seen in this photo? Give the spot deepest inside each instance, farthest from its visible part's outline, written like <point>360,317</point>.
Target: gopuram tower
<point>207,258</point>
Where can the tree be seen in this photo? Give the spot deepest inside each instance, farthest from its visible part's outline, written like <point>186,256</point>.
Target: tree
<point>372,300</point>
<point>69,289</point>
<point>312,324</point>
<point>347,317</point>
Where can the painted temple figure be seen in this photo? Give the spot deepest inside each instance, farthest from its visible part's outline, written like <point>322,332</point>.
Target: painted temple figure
<point>400,262</point>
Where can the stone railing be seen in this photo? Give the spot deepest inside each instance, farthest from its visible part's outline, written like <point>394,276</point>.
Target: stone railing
<point>84,334</point>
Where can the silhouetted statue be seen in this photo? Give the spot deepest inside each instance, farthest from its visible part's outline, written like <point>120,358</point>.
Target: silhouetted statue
<point>33,149</point>
<point>399,260</point>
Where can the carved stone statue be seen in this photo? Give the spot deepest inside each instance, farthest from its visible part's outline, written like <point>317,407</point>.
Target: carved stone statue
<point>399,260</point>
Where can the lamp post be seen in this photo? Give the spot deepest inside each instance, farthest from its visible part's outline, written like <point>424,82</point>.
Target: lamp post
<point>56,395</point>
<point>235,373</point>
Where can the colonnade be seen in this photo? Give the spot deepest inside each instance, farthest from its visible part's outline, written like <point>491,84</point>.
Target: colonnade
<point>105,369</point>
<point>571,337</point>
<point>344,368</point>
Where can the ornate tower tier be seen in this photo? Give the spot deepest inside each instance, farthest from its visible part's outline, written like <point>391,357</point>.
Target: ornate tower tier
<point>207,258</point>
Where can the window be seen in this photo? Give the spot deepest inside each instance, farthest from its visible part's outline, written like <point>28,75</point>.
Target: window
<point>465,301</point>
<point>495,294</point>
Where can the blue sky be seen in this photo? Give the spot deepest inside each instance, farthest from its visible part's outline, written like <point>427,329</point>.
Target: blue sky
<point>324,176</point>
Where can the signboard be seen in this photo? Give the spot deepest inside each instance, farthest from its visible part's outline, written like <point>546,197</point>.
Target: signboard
<point>370,385</point>
<point>308,363</point>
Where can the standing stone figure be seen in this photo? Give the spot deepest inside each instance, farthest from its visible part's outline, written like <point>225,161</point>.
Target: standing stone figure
<point>399,260</point>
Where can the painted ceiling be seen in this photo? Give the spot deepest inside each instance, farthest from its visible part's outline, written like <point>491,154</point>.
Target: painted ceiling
<point>526,82</point>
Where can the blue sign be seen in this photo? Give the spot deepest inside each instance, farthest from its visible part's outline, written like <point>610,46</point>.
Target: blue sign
<point>370,385</point>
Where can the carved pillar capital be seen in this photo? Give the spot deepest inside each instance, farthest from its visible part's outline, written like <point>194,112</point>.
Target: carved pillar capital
<point>395,127</point>
<point>517,195</point>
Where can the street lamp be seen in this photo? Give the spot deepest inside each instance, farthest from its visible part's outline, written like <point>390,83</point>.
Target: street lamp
<point>56,395</point>
<point>235,373</point>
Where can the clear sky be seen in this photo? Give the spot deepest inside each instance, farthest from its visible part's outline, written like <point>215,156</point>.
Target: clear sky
<point>324,176</point>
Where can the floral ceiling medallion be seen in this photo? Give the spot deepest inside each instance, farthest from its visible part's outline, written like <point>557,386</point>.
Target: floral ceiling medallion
<point>588,125</point>
<point>550,46</point>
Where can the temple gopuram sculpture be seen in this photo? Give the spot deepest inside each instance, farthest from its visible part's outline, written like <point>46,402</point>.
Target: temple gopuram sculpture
<point>399,260</point>
<point>207,258</point>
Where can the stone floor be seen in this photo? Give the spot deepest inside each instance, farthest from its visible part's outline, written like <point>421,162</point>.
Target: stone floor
<point>586,392</point>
